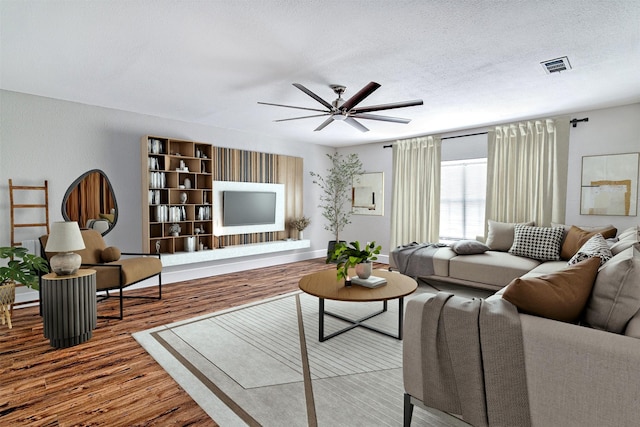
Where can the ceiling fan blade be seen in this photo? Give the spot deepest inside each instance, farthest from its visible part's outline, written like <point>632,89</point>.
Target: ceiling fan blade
<point>304,117</point>
<point>360,96</point>
<point>381,118</point>
<point>356,124</point>
<point>291,106</point>
<point>324,124</point>
<point>314,96</point>
<point>386,106</point>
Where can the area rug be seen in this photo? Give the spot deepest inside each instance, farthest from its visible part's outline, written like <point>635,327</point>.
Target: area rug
<point>262,364</point>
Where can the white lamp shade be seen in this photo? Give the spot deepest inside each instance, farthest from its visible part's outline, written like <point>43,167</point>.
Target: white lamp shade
<point>64,237</point>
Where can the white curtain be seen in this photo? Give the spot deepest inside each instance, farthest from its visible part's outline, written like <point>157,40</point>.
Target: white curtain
<point>415,204</point>
<point>527,172</point>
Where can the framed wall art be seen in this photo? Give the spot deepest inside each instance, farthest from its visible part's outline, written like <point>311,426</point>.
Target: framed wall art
<point>367,194</point>
<point>610,185</point>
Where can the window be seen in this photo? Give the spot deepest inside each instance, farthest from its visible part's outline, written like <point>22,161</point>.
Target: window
<point>462,195</point>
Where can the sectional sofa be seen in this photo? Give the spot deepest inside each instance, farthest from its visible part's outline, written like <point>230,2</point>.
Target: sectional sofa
<point>490,265</point>
<point>579,325</point>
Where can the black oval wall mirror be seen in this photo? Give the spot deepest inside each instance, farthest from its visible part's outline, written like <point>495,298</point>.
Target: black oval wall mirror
<point>91,202</point>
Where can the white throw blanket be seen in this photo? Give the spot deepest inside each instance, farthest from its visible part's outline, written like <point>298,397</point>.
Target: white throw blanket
<point>474,360</point>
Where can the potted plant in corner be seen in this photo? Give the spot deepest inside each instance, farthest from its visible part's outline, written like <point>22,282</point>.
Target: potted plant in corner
<point>300,224</point>
<point>22,267</point>
<point>353,255</point>
<point>336,192</point>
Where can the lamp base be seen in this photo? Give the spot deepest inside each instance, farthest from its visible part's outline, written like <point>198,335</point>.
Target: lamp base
<point>65,263</point>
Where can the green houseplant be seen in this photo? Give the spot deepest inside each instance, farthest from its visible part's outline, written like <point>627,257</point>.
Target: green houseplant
<point>351,255</point>
<point>22,267</point>
<point>336,191</point>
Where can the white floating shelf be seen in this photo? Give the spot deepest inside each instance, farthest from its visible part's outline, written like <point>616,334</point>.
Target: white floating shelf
<point>235,251</point>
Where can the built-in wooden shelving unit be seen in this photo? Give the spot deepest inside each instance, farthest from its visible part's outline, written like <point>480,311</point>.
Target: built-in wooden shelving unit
<point>177,191</point>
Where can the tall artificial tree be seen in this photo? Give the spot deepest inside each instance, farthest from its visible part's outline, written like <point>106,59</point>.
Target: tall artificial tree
<point>336,190</point>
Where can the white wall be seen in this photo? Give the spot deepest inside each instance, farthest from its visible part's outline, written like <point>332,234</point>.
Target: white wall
<point>42,138</point>
<point>608,131</point>
<point>47,139</point>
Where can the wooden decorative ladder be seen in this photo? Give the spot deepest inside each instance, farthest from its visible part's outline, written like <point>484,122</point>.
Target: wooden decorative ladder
<point>15,206</point>
<point>20,206</point>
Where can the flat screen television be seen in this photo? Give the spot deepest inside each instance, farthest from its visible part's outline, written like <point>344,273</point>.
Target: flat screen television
<point>248,208</point>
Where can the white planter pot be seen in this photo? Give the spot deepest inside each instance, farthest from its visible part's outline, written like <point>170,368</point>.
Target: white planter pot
<point>363,270</point>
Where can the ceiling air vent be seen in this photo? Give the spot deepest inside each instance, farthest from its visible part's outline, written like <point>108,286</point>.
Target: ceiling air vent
<point>556,65</point>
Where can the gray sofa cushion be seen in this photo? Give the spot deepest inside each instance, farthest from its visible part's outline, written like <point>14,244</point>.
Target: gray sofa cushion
<point>500,235</point>
<point>492,267</point>
<point>626,239</point>
<point>546,268</point>
<point>469,247</point>
<point>616,293</point>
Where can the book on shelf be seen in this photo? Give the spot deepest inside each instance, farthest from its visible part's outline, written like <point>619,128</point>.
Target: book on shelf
<point>370,282</point>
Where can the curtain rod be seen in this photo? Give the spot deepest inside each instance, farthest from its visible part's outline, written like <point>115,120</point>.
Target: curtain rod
<point>448,137</point>
<point>574,122</point>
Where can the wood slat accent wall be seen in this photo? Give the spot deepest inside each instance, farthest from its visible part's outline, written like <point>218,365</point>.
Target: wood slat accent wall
<point>231,164</point>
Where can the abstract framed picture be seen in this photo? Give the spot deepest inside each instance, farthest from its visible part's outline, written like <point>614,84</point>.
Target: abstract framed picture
<point>367,194</point>
<point>610,185</point>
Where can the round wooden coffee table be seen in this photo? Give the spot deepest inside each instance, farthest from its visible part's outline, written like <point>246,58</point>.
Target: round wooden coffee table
<point>325,285</point>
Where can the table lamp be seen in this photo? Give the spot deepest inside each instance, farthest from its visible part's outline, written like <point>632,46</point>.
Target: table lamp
<point>64,238</point>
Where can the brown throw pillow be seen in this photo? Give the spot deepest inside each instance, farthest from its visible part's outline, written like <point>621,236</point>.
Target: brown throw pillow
<point>110,254</point>
<point>576,237</point>
<point>558,296</point>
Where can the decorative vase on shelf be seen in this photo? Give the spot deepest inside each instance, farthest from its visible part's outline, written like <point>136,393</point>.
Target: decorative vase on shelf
<point>300,235</point>
<point>363,269</point>
<point>183,198</point>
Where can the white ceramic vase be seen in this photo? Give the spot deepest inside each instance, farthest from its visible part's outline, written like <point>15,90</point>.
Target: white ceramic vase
<point>363,270</point>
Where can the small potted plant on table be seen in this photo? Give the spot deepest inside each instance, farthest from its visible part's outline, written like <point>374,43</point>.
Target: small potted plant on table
<point>354,255</point>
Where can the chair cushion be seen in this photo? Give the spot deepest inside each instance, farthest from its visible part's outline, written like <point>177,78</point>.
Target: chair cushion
<point>94,244</point>
<point>139,268</point>
<point>133,270</point>
<point>559,296</point>
<point>110,254</point>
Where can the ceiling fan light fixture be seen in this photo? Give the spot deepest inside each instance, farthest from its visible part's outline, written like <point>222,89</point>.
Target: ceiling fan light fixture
<point>347,111</point>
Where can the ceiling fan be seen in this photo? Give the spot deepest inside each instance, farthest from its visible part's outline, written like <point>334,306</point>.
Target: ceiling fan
<point>347,111</point>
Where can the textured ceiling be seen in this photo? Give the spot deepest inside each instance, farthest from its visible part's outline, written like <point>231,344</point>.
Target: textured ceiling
<point>473,63</point>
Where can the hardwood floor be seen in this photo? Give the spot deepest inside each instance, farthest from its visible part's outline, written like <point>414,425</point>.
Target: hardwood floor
<point>110,380</point>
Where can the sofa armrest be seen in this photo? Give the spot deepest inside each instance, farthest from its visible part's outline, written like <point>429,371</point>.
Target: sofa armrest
<point>577,376</point>
<point>412,345</point>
